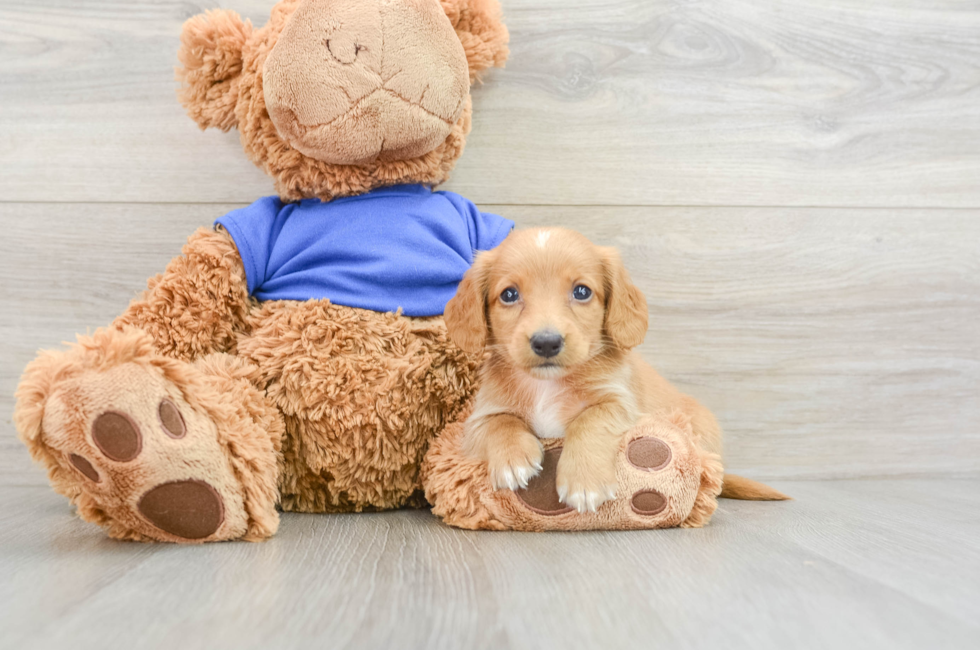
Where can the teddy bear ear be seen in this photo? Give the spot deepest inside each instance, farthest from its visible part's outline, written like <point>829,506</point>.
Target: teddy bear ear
<point>481,29</point>
<point>210,55</point>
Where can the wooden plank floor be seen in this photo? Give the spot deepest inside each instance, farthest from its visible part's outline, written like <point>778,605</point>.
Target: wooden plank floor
<point>848,564</point>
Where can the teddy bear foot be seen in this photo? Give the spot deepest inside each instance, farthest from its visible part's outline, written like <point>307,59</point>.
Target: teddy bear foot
<point>663,479</point>
<point>646,453</point>
<point>154,448</point>
<point>140,450</point>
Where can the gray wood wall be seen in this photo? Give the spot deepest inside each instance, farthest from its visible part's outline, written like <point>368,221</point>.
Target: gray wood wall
<point>795,185</point>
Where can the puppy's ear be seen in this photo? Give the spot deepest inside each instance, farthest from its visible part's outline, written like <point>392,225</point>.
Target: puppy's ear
<point>481,30</point>
<point>626,306</point>
<point>466,313</point>
<point>210,54</point>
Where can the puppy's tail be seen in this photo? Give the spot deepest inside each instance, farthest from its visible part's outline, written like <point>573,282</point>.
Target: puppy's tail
<point>737,487</point>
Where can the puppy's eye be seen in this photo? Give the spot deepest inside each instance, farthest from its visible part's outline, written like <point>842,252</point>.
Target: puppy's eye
<point>509,296</point>
<point>581,292</point>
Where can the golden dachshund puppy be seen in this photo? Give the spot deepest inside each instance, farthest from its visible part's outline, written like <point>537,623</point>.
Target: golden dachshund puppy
<point>559,316</point>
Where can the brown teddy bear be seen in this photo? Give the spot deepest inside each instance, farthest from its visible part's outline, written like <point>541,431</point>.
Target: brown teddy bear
<point>296,354</point>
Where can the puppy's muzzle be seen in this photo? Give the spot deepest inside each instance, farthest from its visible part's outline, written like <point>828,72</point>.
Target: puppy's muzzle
<point>547,344</point>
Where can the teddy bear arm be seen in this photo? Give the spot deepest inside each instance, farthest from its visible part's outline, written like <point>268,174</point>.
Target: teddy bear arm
<point>199,304</point>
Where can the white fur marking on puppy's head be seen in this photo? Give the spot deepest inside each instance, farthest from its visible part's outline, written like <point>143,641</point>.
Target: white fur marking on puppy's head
<point>543,238</point>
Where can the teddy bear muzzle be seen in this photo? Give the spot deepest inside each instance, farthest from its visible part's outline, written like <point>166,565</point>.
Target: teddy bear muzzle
<point>355,81</point>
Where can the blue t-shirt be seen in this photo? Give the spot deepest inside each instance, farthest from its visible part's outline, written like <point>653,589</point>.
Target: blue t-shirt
<point>404,246</point>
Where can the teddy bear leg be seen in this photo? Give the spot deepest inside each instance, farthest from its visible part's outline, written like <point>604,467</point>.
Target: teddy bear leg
<point>362,394</point>
<point>664,480</point>
<point>151,447</point>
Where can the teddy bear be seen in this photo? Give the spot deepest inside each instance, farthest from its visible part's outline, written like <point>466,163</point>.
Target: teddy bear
<point>294,356</point>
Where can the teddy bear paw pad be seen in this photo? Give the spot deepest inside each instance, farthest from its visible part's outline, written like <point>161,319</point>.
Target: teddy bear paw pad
<point>541,493</point>
<point>648,502</point>
<point>85,467</point>
<point>188,509</point>
<point>648,454</point>
<point>117,436</point>
<point>171,420</point>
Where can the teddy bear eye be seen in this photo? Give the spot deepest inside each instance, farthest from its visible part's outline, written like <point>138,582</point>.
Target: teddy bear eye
<point>509,296</point>
<point>581,292</point>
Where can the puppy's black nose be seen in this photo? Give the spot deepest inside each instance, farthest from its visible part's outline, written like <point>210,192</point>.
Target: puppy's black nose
<point>547,344</point>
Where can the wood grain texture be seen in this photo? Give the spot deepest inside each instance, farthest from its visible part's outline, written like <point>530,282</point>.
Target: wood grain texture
<point>854,564</point>
<point>830,342</point>
<point>645,102</point>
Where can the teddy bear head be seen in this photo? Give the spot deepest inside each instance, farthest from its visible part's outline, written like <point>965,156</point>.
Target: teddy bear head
<point>338,97</point>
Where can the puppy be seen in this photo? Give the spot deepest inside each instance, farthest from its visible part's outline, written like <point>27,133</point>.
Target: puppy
<point>559,317</point>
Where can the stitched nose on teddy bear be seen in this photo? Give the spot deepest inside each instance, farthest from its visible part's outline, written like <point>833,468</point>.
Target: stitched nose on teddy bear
<point>354,81</point>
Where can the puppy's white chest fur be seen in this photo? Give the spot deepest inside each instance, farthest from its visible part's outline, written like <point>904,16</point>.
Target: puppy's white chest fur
<point>546,413</point>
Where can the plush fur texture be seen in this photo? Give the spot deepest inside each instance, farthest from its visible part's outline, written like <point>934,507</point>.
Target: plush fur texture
<point>199,411</point>
<point>362,394</point>
<point>589,391</point>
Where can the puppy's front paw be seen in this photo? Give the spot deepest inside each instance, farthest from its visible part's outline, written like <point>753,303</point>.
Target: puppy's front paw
<point>582,487</point>
<point>512,465</point>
